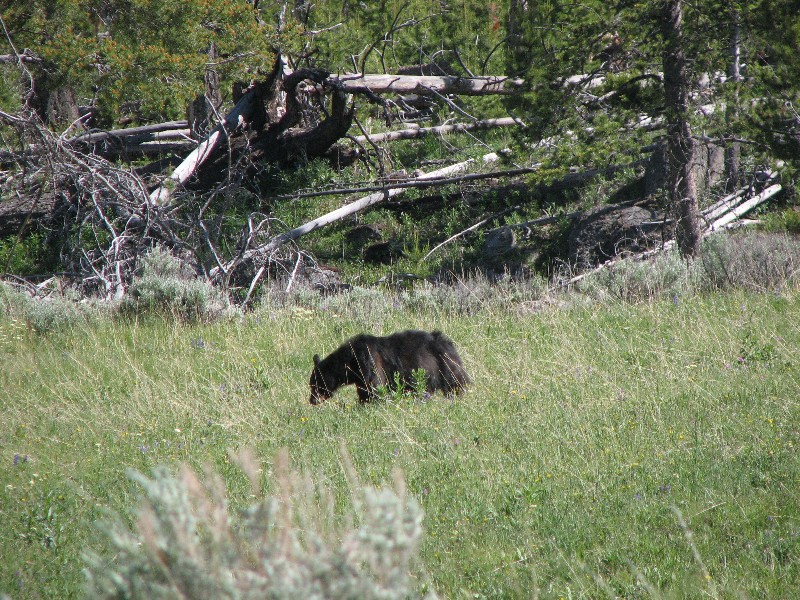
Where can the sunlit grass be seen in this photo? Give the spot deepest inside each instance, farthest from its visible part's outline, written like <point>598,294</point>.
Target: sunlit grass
<point>556,473</point>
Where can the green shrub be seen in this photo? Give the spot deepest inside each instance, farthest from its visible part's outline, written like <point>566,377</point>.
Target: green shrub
<point>53,314</point>
<point>22,256</point>
<point>188,543</point>
<point>791,218</point>
<point>167,287</point>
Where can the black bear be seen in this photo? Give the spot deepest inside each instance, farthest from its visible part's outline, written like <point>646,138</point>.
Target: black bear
<point>371,362</point>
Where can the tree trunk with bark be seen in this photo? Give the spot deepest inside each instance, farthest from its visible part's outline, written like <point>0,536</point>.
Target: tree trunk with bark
<point>681,184</point>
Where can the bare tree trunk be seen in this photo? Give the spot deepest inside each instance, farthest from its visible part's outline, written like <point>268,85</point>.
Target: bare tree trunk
<point>517,13</point>
<point>681,185</point>
<point>733,151</point>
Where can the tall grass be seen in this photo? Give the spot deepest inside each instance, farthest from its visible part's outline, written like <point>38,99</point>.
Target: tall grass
<point>604,448</point>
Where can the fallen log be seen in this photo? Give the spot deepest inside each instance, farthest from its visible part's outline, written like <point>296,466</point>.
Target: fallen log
<point>743,208</point>
<point>94,137</point>
<point>720,207</point>
<point>416,182</point>
<point>358,83</point>
<point>265,250</point>
<point>242,113</point>
<point>418,132</point>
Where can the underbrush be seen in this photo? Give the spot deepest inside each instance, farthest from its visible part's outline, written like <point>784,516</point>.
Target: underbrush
<point>758,262</point>
<point>755,261</point>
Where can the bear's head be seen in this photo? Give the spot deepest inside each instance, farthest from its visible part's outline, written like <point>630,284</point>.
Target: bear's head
<point>321,389</point>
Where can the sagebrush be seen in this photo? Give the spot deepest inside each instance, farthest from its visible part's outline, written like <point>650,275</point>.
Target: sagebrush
<point>188,543</point>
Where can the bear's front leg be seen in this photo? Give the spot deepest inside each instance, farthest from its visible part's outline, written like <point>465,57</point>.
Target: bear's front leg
<point>364,395</point>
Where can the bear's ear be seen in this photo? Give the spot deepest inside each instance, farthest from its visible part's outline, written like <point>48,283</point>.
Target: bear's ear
<point>316,359</point>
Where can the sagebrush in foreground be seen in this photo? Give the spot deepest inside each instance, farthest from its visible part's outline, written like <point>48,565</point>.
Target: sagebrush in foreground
<point>187,543</point>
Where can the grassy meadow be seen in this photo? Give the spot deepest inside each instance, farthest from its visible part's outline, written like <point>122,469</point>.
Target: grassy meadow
<point>604,449</point>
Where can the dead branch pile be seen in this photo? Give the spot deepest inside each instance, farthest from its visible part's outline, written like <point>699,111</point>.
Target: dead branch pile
<point>97,210</point>
<point>102,218</point>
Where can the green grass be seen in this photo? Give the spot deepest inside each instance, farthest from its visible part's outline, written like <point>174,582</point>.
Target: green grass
<point>560,473</point>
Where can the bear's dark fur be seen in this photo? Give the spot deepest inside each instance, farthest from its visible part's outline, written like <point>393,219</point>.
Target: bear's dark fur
<point>370,362</point>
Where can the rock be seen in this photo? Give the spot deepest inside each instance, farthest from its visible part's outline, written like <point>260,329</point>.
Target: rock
<point>498,243</point>
<point>361,234</point>
<point>383,253</point>
<point>327,281</point>
<point>607,231</point>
